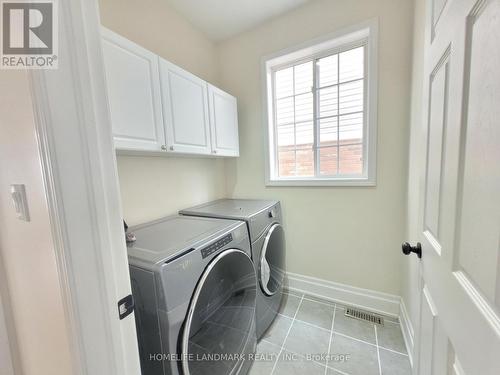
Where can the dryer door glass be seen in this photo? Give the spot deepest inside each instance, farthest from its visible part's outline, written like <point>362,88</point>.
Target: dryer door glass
<point>272,260</point>
<point>219,330</point>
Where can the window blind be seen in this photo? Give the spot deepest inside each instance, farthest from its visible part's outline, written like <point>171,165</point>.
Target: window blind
<point>319,116</point>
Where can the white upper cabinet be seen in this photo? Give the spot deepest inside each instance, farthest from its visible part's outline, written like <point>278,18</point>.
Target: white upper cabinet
<point>157,106</point>
<point>185,110</point>
<point>223,122</point>
<point>133,94</point>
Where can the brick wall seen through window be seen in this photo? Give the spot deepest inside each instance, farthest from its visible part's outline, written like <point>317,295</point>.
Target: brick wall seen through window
<point>319,115</point>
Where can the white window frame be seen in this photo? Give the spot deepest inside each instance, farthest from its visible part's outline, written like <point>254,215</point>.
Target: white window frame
<point>365,34</point>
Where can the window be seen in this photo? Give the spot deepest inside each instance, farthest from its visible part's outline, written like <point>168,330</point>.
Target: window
<point>321,112</point>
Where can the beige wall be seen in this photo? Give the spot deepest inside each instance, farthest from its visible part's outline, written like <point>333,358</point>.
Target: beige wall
<point>411,279</point>
<point>152,187</point>
<point>28,262</point>
<point>6,353</point>
<point>348,235</point>
<point>156,26</point>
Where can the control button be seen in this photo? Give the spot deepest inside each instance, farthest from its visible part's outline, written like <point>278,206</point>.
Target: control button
<point>272,214</point>
<point>210,249</point>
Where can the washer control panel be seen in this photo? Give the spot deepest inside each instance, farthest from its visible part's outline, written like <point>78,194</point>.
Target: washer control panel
<point>212,248</point>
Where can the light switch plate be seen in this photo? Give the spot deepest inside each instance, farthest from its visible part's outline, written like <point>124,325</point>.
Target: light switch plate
<point>18,193</point>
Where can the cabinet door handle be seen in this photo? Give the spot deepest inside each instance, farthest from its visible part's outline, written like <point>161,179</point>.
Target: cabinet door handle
<point>214,151</point>
<point>163,147</point>
<point>171,148</point>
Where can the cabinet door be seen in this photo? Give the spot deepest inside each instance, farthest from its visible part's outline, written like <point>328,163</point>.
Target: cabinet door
<point>185,110</point>
<point>223,122</point>
<point>133,93</point>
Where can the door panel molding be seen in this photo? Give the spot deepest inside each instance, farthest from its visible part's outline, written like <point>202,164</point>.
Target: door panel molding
<point>428,316</point>
<point>437,9</point>
<point>477,219</point>
<point>436,150</point>
<point>478,300</point>
<point>457,367</point>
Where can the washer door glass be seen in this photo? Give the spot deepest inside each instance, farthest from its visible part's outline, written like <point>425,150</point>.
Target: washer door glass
<point>272,260</point>
<point>220,325</point>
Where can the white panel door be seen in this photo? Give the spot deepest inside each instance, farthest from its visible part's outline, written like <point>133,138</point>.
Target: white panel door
<point>223,122</point>
<point>185,110</point>
<point>460,195</point>
<point>133,93</point>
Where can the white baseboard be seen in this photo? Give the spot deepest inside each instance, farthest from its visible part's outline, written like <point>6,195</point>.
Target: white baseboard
<point>407,329</point>
<point>378,302</point>
<point>370,300</point>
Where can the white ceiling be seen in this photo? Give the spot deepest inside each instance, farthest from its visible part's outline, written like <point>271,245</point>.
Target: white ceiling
<point>222,19</point>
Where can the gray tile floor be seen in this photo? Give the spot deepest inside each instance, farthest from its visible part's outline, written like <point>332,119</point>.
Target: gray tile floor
<point>312,336</point>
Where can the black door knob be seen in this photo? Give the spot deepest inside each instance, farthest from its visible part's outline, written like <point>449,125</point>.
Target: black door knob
<point>407,249</point>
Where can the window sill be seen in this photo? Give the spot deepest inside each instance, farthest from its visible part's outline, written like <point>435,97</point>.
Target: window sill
<point>322,182</point>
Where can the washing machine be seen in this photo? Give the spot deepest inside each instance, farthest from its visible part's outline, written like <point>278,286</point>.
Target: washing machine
<point>264,224</point>
<point>194,287</point>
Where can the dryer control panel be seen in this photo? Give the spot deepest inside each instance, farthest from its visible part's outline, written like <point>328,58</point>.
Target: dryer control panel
<point>212,248</point>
